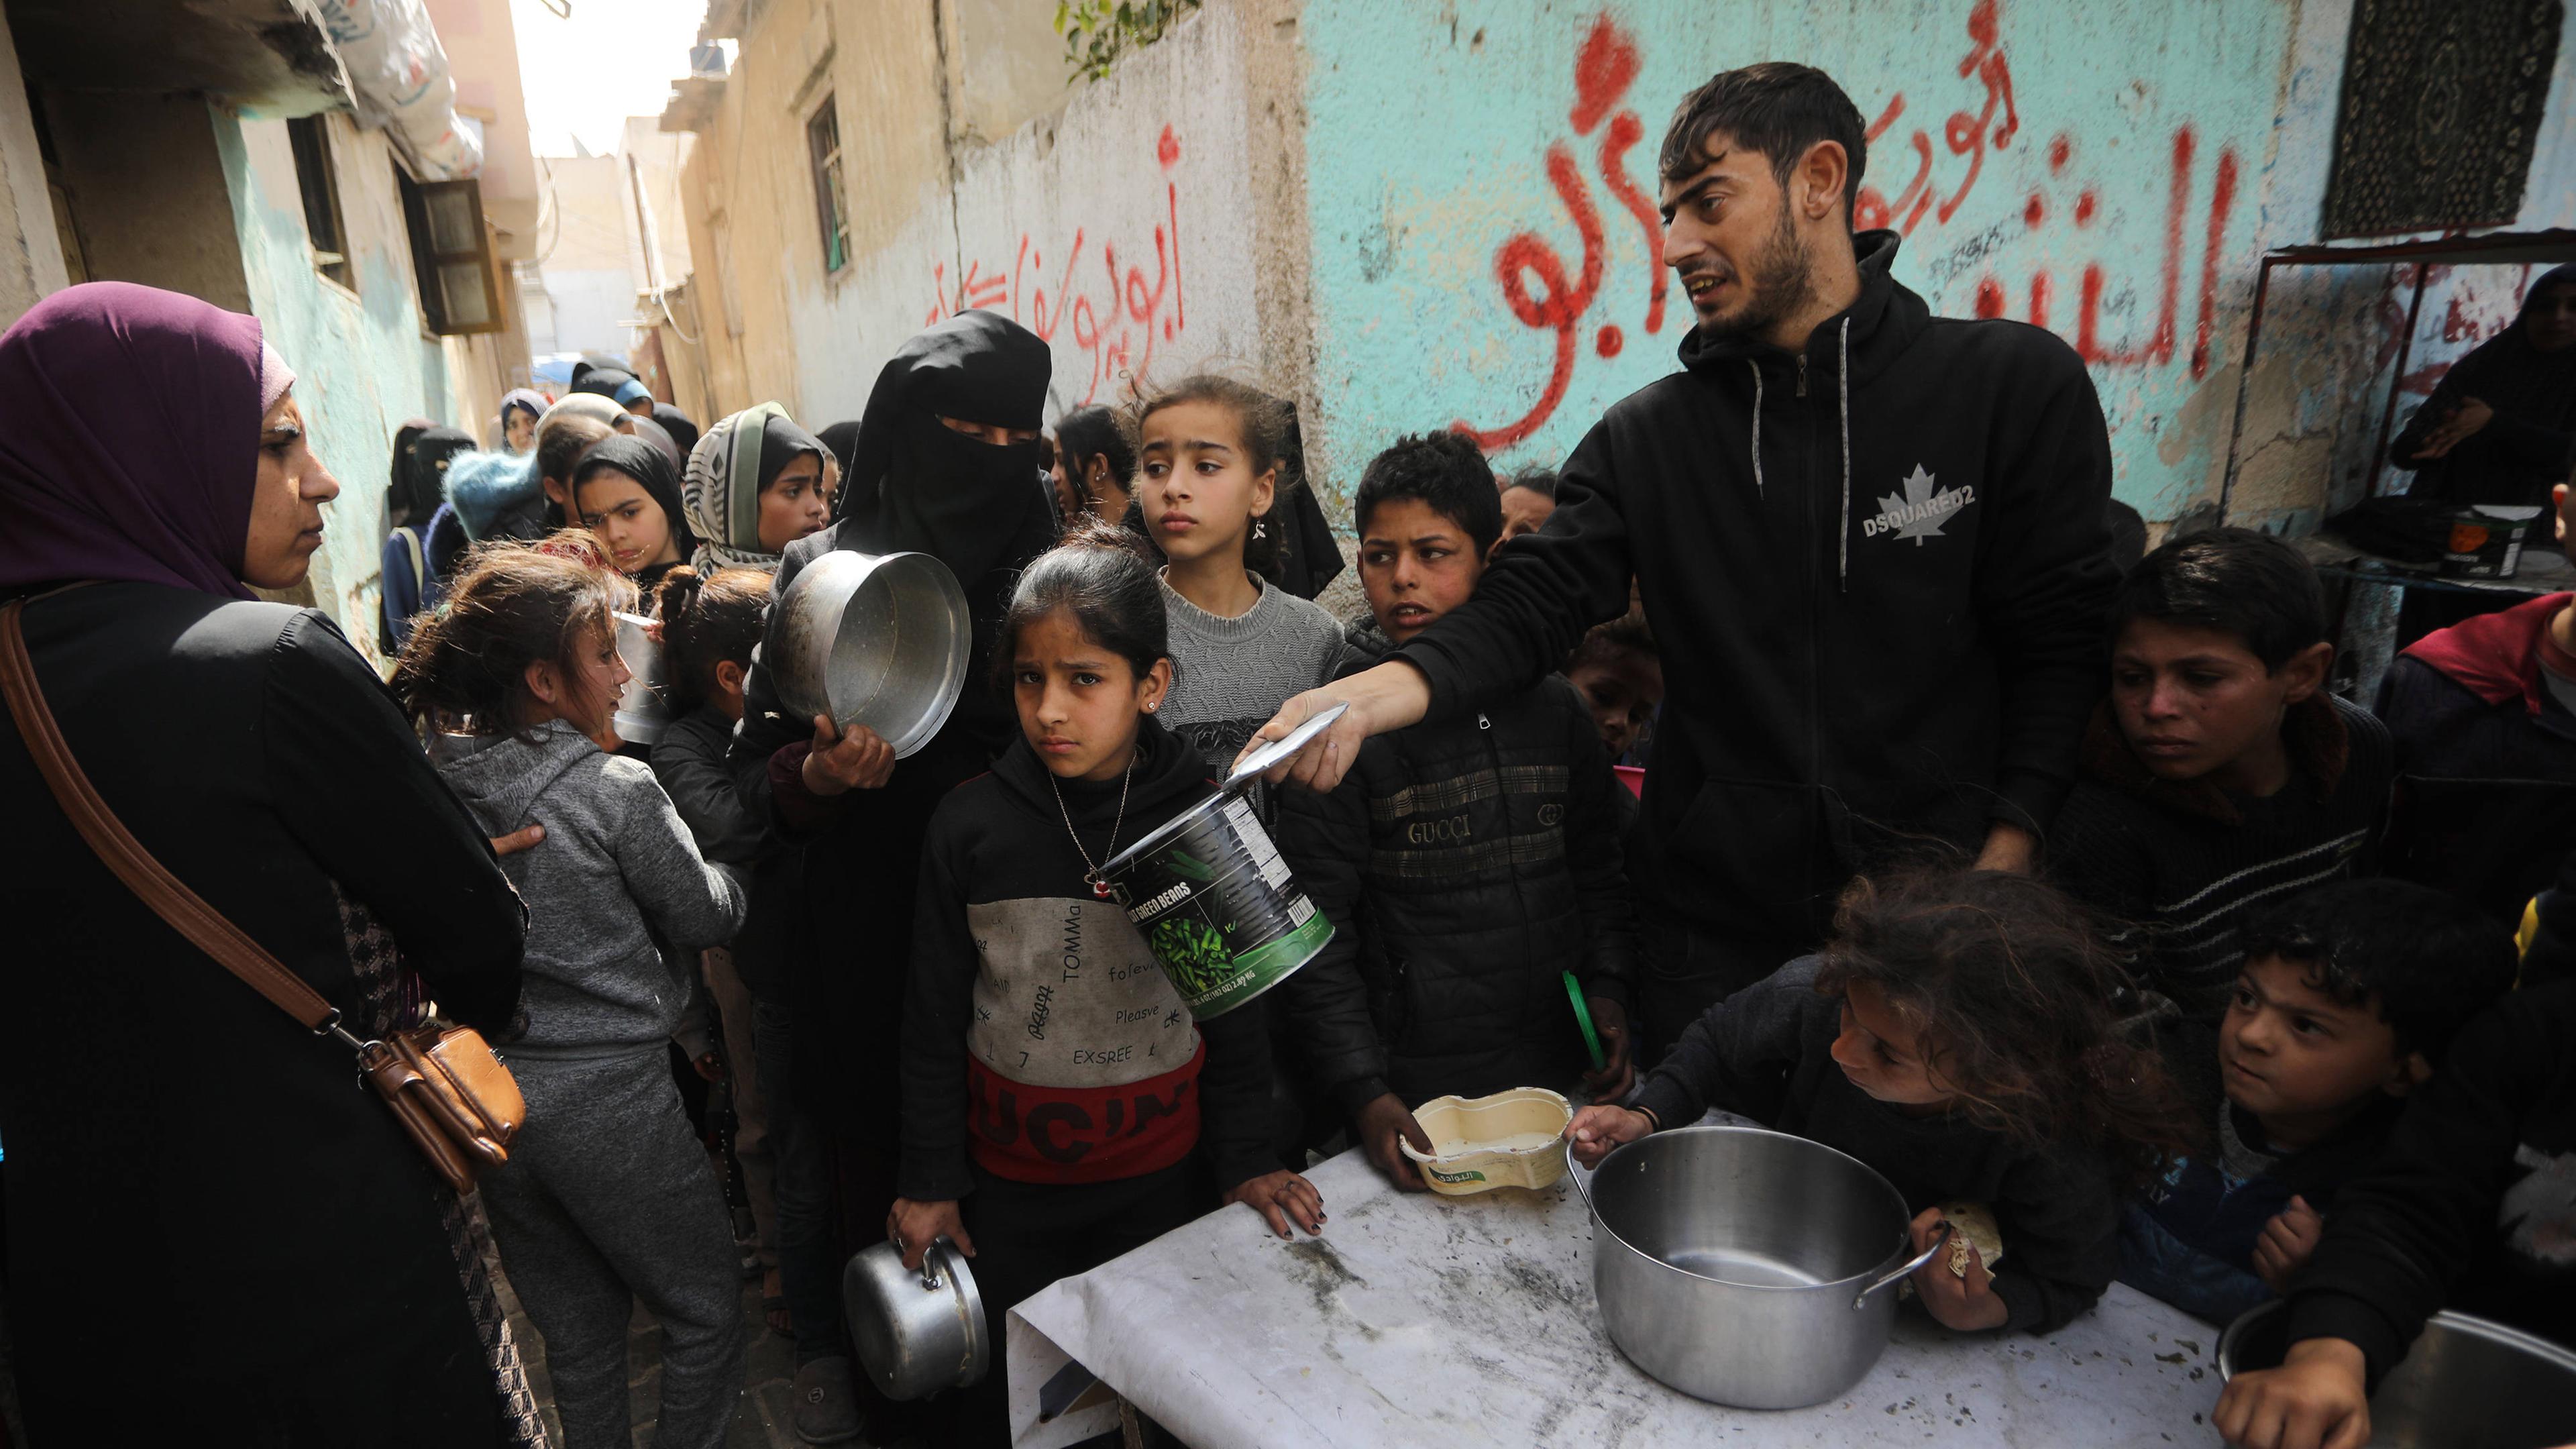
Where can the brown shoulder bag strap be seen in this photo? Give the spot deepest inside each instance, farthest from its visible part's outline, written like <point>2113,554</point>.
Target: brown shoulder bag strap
<point>172,901</point>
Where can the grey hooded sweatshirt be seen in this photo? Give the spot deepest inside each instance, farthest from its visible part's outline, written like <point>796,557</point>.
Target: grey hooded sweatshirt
<point>619,902</point>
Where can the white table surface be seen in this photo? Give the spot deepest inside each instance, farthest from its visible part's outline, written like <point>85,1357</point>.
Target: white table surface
<point>1418,1319</point>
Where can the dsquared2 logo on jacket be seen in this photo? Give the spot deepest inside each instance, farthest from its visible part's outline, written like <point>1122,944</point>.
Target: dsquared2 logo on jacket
<point>1918,514</point>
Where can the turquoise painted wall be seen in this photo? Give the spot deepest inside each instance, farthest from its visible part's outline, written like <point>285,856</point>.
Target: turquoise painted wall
<point>361,361</point>
<point>2096,167</point>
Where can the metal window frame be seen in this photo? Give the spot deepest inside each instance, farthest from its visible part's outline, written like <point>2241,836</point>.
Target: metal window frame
<point>308,139</point>
<point>2500,249</point>
<point>426,260</point>
<point>828,184</point>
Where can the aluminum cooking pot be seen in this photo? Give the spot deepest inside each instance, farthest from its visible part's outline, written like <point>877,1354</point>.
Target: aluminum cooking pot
<point>641,715</point>
<point>1747,1267</point>
<point>2465,1384</point>
<point>874,639</point>
<point>917,1332</point>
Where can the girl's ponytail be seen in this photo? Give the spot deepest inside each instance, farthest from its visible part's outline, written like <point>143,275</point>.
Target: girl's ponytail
<point>706,621</point>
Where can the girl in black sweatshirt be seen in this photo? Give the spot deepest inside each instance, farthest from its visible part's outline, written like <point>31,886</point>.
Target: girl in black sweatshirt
<point>1956,1035</point>
<point>1054,1085</point>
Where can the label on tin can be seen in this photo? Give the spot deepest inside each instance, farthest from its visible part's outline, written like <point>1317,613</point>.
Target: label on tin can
<point>1219,910</point>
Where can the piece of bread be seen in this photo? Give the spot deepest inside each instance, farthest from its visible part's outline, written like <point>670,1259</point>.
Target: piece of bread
<point>1972,1225</point>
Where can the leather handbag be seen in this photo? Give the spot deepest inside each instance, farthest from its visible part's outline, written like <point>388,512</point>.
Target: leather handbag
<point>450,1092</point>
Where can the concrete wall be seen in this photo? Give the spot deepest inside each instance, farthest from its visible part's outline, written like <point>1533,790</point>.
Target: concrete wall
<point>362,363</point>
<point>1119,233</point>
<point>146,190</point>
<point>31,252</point>
<point>1134,223</point>
<point>1420,216</point>
<point>776,324</point>
<point>591,309</point>
<point>2108,170</point>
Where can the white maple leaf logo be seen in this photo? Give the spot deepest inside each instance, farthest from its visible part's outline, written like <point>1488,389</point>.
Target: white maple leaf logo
<point>1925,509</point>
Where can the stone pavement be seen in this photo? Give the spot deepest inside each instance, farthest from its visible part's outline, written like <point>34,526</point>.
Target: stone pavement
<point>769,1372</point>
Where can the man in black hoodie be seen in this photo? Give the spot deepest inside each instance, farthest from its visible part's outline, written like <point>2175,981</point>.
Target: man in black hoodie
<point>1872,543</point>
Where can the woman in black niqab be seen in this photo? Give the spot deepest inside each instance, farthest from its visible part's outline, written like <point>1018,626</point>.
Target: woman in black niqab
<point>914,484</point>
<point>2498,426</point>
<point>910,483</point>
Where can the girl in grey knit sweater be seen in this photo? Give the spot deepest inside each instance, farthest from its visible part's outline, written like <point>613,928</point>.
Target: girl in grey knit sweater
<point>1207,480</point>
<point>606,1196</point>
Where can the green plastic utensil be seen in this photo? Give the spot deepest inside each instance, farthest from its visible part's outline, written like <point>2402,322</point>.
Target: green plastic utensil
<point>1583,1019</point>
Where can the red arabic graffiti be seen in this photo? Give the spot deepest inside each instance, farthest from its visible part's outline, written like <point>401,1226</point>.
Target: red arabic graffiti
<point>1607,63</point>
<point>1117,328</point>
<point>1603,70</point>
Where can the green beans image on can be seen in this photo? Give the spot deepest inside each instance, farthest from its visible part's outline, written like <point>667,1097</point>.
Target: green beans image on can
<point>1217,906</point>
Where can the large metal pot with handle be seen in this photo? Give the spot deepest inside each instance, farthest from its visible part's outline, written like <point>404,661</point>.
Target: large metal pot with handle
<point>2465,1383</point>
<point>872,639</point>
<point>1747,1267</point>
<point>917,1331</point>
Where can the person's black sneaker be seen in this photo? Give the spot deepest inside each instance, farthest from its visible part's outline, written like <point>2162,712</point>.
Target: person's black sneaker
<point>827,1403</point>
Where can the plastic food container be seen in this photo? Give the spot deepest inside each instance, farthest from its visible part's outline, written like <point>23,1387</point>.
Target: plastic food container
<point>1510,1139</point>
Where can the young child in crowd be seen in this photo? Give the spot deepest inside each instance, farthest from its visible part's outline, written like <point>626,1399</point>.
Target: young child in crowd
<point>1955,1035</point>
<point>1209,454</point>
<point>1529,499</point>
<point>1053,1081</point>
<point>2471,1205</point>
<point>1465,865</point>
<point>627,494</point>
<point>2348,998</point>
<point>2220,773</point>
<point>1094,465</point>
<point>607,1196</point>
<point>500,497</point>
<point>2484,717</point>
<point>1621,678</point>
<point>755,483</point>
<point>710,625</point>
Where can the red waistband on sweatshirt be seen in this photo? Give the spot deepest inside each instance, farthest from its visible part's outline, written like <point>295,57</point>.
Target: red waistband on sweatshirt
<point>2497,656</point>
<point>1081,1134</point>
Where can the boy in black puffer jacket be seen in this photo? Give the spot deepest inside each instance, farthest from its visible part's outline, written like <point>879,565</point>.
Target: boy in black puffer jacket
<point>1466,866</point>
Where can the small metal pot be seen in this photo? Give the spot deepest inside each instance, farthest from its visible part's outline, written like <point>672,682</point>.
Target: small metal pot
<point>916,1332</point>
<point>2466,1383</point>
<point>641,715</point>
<point>875,640</point>
<point>1747,1267</point>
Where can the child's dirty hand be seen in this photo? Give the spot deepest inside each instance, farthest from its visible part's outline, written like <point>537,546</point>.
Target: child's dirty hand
<point>2286,1242</point>
<point>914,1226</point>
<point>2314,1400</point>
<point>844,760</point>
<point>1967,1302</point>
<point>1383,1124</point>
<point>1280,1196</point>
<point>1596,1130</point>
<point>1618,1067</point>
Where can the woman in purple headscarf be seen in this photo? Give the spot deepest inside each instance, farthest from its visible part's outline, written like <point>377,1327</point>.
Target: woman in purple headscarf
<point>207,1224</point>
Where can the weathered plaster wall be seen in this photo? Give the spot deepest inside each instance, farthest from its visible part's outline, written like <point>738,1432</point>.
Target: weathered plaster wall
<point>1481,185</point>
<point>1120,233</point>
<point>773,315</point>
<point>146,190</point>
<point>1127,224</point>
<point>2331,335</point>
<point>362,363</point>
<point>31,251</point>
